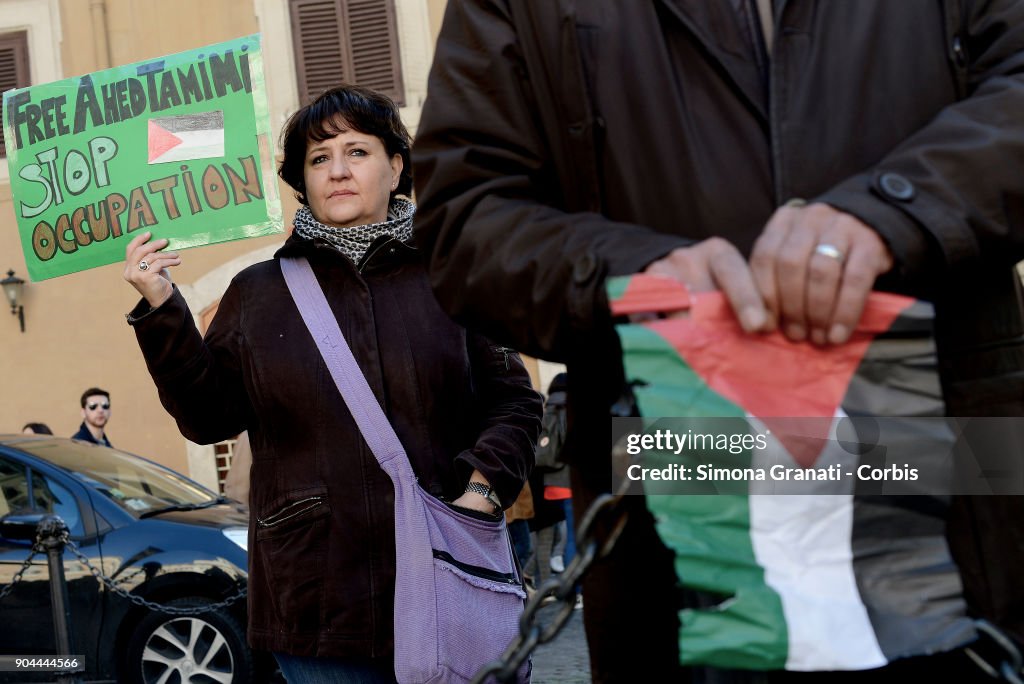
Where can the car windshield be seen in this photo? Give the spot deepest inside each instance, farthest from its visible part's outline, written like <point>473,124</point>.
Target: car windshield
<point>133,483</point>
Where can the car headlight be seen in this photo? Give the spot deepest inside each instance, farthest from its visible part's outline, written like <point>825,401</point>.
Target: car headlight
<point>239,535</point>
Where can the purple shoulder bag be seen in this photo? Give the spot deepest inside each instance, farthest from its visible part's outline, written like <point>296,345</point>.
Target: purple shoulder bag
<point>458,593</point>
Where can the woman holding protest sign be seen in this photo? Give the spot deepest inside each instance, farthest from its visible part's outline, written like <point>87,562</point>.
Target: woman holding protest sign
<point>322,536</point>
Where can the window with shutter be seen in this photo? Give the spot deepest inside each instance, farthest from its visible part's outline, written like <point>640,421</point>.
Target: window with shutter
<point>14,71</point>
<point>351,41</point>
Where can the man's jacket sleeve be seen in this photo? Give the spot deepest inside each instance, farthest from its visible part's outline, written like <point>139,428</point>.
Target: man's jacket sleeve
<point>504,254</point>
<point>952,194</point>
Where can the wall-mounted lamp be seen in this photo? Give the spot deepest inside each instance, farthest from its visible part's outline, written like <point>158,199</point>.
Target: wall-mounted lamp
<point>12,290</point>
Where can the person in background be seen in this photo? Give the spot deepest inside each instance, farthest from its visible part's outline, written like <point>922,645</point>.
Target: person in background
<point>95,416</point>
<point>322,554</point>
<point>550,461</point>
<point>547,514</point>
<point>36,429</point>
<point>518,519</point>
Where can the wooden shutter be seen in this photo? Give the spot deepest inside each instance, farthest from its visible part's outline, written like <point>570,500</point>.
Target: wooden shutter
<point>346,41</point>
<point>14,72</point>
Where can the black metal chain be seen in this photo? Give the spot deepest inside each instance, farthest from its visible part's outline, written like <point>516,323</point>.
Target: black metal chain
<point>600,528</point>
<point>112,585</point>
<point>46,531</point>
<point>36,549</point>
<point>1010,667</point>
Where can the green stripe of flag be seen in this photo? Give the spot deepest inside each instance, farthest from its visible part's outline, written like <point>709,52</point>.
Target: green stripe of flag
<point>710,534</point>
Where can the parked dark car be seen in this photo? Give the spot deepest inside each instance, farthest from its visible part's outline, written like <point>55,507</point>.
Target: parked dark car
<point>151,530</point>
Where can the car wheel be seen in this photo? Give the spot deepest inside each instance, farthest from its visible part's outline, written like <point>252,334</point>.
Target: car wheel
<point>188,649</point>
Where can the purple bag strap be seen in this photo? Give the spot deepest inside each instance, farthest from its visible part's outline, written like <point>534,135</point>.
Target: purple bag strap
<point>416,593</point>
<point>415,601</point>
<point>323,326</point>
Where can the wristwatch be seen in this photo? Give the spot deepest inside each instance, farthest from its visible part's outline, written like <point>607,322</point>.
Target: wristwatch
<point>486,492</point>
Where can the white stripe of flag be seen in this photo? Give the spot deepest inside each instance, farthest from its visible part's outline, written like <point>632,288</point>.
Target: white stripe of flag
<point>804,543</point>
<point>185,137</point>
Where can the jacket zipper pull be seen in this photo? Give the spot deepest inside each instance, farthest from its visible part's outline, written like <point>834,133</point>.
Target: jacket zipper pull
<point>504,352</point>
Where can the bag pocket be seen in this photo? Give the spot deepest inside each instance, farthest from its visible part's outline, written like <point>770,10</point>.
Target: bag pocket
<point>478,589</point>
<point>478,613</point>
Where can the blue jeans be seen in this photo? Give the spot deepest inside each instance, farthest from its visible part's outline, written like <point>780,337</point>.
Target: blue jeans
<point>570,531</point>
<point>570,536</point>
<point>519,531</point>
<point>306,670</point>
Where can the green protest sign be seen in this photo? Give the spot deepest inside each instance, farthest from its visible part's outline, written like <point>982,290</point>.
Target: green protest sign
<point>178,145</point>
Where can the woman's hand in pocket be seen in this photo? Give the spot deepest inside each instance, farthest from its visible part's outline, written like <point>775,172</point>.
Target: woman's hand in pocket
<point>475,502</point>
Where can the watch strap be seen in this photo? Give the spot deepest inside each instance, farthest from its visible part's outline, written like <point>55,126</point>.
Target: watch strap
<point>486,492</point>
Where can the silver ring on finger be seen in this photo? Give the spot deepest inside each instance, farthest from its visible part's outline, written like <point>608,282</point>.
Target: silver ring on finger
<point>830,251</point>
<point>143,265</point>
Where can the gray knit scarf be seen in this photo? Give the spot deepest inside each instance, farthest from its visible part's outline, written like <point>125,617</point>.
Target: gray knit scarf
<point>353,242</point>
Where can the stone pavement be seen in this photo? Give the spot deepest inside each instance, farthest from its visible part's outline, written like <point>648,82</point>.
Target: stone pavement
<point>564,660</point>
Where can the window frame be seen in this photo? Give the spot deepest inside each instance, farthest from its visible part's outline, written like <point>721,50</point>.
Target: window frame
<point>17,41</point>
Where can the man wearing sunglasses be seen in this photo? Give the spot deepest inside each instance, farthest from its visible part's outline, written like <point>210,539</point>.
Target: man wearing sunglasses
<point>95,414</point>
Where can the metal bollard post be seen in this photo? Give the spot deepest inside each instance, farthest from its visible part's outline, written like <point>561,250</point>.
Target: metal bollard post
<point>52,531</point>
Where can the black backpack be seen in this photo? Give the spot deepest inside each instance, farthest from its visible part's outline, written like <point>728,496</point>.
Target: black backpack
<point>552,435</point>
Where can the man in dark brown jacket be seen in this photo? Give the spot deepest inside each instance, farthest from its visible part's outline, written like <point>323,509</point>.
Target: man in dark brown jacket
<point>566,141</point>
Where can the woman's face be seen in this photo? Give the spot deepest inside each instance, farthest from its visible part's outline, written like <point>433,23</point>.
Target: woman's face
<point>349,179</point>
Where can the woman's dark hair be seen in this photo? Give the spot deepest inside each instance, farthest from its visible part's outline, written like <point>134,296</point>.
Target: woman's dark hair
<point>360,109</point>
<point>38,428</point>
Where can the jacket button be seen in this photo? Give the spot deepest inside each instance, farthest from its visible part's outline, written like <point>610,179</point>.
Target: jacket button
<point>896,187</point>
<point>959,54</point>
<point>584,268</point>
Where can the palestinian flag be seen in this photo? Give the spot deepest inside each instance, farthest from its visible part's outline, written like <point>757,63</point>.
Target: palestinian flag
<point>840,580</point>
<point>185,137</point>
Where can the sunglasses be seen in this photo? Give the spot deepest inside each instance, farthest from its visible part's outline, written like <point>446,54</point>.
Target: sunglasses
<point>93,407</point>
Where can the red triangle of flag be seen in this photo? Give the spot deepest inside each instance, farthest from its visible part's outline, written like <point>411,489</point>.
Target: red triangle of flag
<point>771,377</point>
<point>160,140</point>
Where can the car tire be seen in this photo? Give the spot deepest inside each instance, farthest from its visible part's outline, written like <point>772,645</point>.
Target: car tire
<point>207,648</point>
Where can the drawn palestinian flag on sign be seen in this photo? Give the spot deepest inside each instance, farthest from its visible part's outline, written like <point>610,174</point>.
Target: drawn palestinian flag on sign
<point>803,582</point>
<point>185,137</point>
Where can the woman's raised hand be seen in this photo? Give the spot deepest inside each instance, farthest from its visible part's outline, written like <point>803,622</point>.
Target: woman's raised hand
<point>145,267</point>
